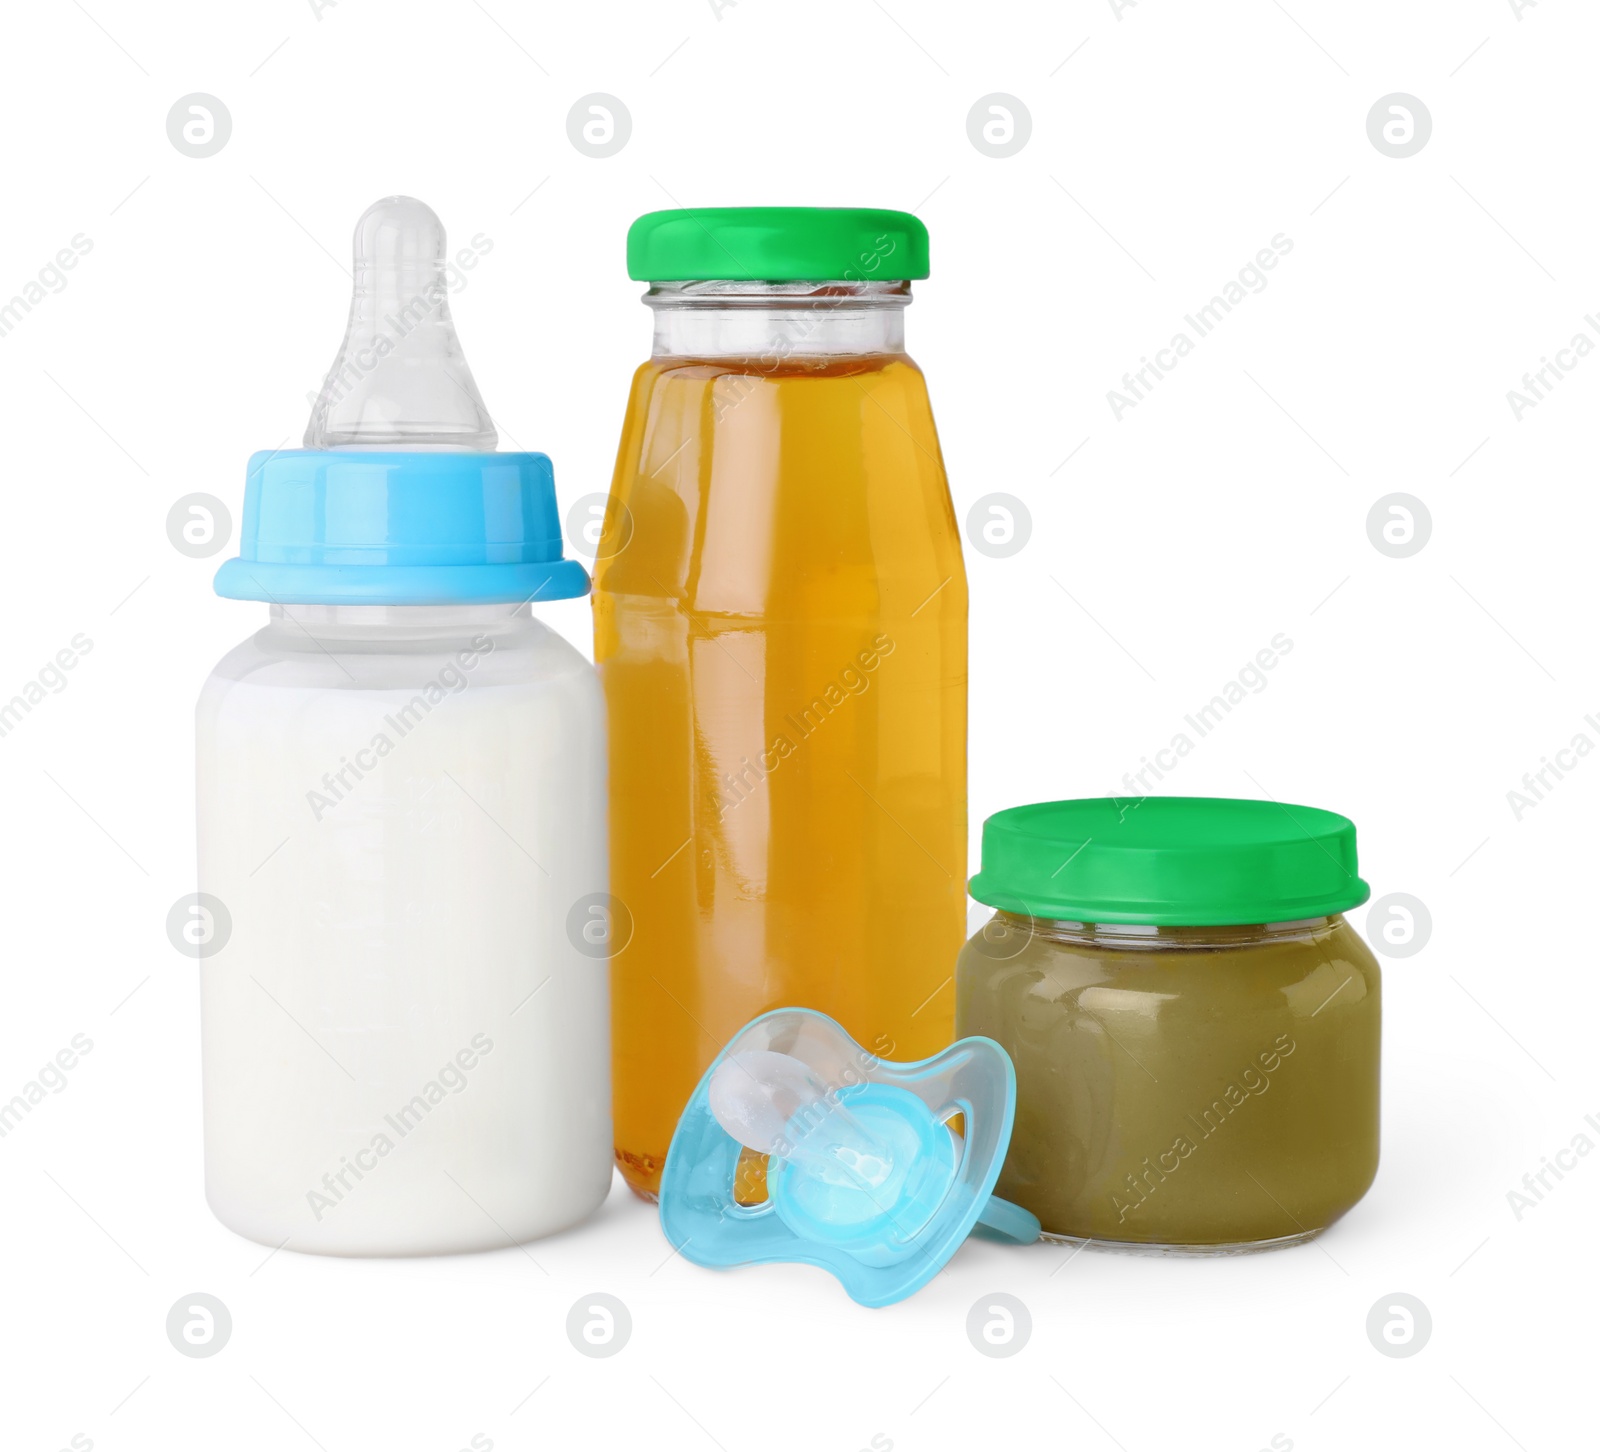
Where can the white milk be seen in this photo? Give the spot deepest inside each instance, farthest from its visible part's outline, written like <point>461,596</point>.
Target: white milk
<point>405,1047</point>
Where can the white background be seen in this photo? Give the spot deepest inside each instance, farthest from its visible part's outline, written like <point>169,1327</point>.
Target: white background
<point>1168,146</point>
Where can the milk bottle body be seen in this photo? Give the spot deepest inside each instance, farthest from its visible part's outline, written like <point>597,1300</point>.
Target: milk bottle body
<point>405,1032</point>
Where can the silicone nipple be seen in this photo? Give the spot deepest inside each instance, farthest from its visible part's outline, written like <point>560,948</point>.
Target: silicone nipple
<point>755,1094</point>
<point>400,380</point>
<point>773,1104</point>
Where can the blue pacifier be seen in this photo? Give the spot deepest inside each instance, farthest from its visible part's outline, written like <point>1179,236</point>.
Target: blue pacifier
<point>864,1176</point>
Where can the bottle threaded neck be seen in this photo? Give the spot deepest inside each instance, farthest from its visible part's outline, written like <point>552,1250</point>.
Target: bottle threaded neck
<point>771,322</point>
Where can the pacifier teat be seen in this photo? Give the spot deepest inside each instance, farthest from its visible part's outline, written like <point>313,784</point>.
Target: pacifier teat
<point>864,1175</point>
<point>754,1095</point>
<point>400,380</point>
<point>773,1104</point>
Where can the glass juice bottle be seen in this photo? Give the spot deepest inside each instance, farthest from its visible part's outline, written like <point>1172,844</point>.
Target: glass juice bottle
<point>781,633</point>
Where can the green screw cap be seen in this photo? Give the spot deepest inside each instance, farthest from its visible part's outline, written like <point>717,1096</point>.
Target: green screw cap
<point>777,244</point>
<point>1170,861</point>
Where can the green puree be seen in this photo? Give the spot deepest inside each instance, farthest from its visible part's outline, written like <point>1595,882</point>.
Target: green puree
<point>1178,1086</point>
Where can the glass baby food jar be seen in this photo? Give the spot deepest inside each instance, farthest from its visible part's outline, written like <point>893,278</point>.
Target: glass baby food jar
<point>781,631</point>
<point>1194,1025</point>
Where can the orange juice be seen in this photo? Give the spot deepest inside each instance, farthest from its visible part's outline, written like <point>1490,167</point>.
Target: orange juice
<point>781,631</point>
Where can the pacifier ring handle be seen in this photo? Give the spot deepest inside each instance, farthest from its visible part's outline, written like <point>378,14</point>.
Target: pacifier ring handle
<point>1010,1223</point>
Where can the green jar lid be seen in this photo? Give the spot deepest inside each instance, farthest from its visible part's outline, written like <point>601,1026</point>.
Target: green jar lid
<point>777,244</point>
<point>1171,861</point>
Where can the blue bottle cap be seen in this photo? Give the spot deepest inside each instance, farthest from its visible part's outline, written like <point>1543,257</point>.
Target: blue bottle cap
<point>372,527</point>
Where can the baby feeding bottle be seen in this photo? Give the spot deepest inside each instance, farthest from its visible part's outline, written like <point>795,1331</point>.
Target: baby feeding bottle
<point>781,632</point>
<point>401,810</point>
